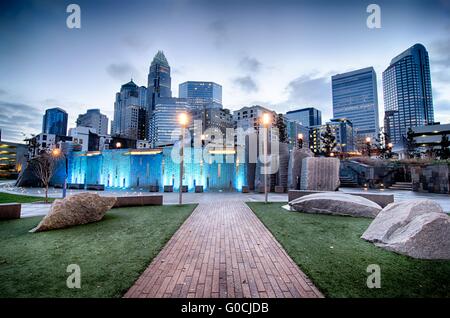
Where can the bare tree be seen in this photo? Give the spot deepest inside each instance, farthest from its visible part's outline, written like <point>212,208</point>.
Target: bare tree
<point>44,167</point>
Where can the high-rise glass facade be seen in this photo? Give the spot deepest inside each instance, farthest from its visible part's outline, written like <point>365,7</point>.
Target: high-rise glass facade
<point>164,120</point>
<point>407,93</point>
<point>207,94</point>
<point>129,112</point>
<point>94,119</point>
<point>55,122</point>
<point>355,98</point>
<point>159,80</point>
<point>308,117</point>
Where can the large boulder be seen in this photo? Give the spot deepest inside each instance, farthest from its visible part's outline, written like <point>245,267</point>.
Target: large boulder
<point>295,166</point>
<point>336,203</point>
<point>76,209</point>
<point>417,228</point>
<point>320,174</point>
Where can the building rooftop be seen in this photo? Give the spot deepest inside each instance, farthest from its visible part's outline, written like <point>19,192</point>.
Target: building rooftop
<point>130,84</point>
<point>160,58</point>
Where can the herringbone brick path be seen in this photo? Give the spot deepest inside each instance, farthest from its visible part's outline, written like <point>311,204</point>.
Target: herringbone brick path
<point>223,250</point>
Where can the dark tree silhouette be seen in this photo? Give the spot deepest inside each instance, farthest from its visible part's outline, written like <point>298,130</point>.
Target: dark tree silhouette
<point>281,128</point>
<point>445,150</point>
<point>410,144</point>
<point>328,141</point>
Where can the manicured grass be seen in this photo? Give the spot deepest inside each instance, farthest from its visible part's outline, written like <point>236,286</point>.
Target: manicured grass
<point>9,198</point>
<point>111,253</point>
<point>329,250</point>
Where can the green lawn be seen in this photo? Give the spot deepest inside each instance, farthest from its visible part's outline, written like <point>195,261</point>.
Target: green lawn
<point>8,198</point>
<point>111,253</point>
<point>329,250</point>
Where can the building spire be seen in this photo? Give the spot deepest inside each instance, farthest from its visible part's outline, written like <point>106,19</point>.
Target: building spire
<point>160,58</point>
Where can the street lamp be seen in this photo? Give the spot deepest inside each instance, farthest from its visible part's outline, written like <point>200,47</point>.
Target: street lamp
<point>266,122</point>
<point>300,141</point>
<point>389,147</point>
<point>368,146</point>
<point>56,153</point>
<point>183,120</point>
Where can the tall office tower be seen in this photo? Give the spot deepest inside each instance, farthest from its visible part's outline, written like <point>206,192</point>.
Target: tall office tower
<point>129,101</point>
<point>407,92</point>
<point>159,81</point>
<point>136,122</point>
<point>94,119</point>
<point>306,116</point>
<point>201,94</point>
<point>249,118</point>
<point>355,98</point>
<point>164,120</point>
<point>220,118</point>
<point>55,122</point>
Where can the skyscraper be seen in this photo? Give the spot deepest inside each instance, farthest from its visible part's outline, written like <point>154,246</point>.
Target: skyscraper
<point>164,120</point>
<point>407,92</point>
<point>355,98</point>
<point>202,94</point>
<point>94,119</point>
<point>308,117</point>
<point>55,122</point>
<point>159,81</point>
<point>130,111</point>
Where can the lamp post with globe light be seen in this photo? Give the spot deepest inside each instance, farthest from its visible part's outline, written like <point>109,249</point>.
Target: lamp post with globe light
<point>183,120</point>
<point>57,153</point>
<point>265,120</point>
<point>368,145</point>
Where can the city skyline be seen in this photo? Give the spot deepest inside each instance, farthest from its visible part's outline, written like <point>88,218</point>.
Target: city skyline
<point>289,75</point>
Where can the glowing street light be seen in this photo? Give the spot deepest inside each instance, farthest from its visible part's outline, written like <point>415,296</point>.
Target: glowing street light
<point>183,120</point>
<point>368,144</point>
<point>265,120</point>
<point>118,144</point>
<point>57,153</point>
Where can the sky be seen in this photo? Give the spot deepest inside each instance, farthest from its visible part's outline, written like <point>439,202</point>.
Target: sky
<point>279,53</point>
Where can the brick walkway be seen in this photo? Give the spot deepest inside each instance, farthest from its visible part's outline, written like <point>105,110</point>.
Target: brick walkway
<point>223,250</point>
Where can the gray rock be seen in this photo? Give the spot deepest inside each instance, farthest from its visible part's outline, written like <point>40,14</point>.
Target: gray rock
<point>295,166</point>
<point>320,174</point>
<point>76,209</point>
<point>417,228</point>
<point>336,203</point>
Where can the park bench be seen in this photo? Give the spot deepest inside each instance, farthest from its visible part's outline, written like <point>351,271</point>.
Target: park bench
<point>141,200</point>
<point>10,211</point>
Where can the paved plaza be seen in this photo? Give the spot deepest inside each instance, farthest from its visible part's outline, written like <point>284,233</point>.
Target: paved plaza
<point>223,250</point>
<point>33,209</point>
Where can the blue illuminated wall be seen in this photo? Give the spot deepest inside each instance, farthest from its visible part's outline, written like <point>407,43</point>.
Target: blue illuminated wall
<point>122,169</point>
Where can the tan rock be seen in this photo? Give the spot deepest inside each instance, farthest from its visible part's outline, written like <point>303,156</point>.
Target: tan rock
<point>76,209</point>
<point>320,174</point>
<point>417,228</point>
<point>336,203</point>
